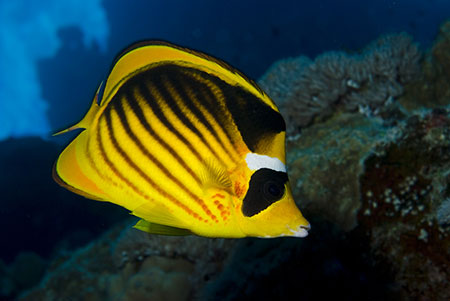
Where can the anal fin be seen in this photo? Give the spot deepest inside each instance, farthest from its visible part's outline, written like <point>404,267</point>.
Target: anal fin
<point>158,214</point>
<point>154,228</point>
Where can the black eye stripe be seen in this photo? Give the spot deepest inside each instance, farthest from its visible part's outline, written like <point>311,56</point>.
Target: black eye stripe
<point>265,188</point>
<point>273,189</point>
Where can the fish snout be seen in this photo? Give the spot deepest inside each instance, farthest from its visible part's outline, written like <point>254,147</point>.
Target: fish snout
<point>301,230</point>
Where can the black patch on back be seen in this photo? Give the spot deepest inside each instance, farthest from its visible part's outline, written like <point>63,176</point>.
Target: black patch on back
<point>265,188</point>
<point>255,119</point>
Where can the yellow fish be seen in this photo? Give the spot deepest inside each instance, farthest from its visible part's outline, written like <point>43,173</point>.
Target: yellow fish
<point>186,143</point>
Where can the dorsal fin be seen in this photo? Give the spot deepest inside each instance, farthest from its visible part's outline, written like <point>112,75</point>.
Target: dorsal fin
<point>141,55</point>
<point>88,118</point>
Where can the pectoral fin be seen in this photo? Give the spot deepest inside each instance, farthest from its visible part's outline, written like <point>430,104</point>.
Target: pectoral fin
<point>215,175</point>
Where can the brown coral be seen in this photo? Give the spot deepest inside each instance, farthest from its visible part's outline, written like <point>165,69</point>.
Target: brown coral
<point>133,265</point>
<point>433,88</point>
<point>401,191</point>
<point>339,81</point>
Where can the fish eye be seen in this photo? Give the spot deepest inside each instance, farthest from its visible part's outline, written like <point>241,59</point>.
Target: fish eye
<point>266,187</point>
<point>273,190</point>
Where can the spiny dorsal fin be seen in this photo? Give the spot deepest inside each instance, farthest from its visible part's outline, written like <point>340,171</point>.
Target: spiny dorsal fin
<point>88,118</point>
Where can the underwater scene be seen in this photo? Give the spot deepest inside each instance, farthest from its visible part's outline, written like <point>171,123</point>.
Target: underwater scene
<point>224,150</point>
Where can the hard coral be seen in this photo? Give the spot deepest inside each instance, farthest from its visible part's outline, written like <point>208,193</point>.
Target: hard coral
<point>279,81</point>
<point>443,212</point>
<point>402,193</point>
<point>133,265</point>
<point>325,163</point>
<point>433,88</point>
<point>337,80</point>
<point>155,278</point>
<point>208,254</point>
<point>386,184</point>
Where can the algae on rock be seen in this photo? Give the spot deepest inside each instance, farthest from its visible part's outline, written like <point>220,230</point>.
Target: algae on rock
<point>325,163</point>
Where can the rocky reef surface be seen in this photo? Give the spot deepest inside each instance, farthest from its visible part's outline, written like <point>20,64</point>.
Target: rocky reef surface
<point>368,154</point>
<point>377,166</point>
<point>127,264</point>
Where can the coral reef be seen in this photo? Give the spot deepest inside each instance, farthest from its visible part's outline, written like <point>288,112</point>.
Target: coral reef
<point>329,263</point>
<point>443,212</point>
<point>382,176</point>
<point>154,279</point>
<point>208,254</point>
<point>328,159</point>
<point>402,191</point>
<point>133,265</point>
<point>433,88</point>
<point>280,80</point>
<point>337,81</point>
<point>24,272</point>
<point>325,163</point>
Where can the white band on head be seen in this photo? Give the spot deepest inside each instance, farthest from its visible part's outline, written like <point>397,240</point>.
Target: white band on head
<point>255,162</point>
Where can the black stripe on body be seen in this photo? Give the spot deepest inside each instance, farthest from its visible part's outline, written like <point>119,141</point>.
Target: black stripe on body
<point>111,165</point>
<point>126,157</point>
<point>214,105</point>
<point>182,86</point>
<point>254,119</point>
<point>118,107</point>
<point>138,112</point>
<point>162,82</point>
<point>214,100</point>
<point>93,163</point>
<point>157,110</point>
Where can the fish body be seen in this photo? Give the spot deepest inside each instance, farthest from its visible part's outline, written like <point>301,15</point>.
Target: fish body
<point>188,144</point>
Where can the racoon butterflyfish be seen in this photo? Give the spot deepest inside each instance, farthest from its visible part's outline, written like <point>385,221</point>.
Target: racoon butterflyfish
<point>188,144</point>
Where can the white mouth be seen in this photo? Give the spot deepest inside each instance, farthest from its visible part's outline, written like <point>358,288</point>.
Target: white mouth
<point>301,231</point>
